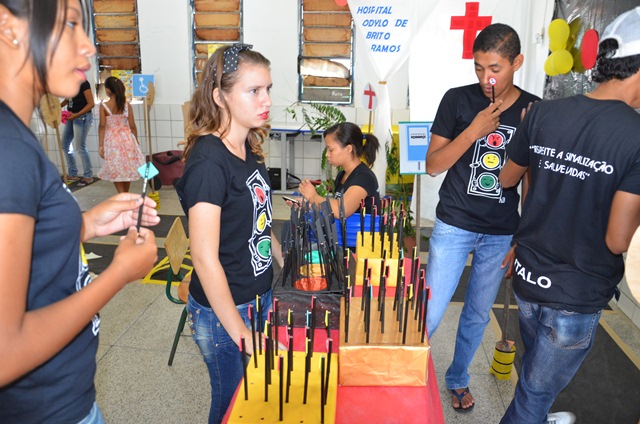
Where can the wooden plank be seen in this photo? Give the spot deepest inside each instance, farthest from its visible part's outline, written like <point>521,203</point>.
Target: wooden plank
<point>114,6</point>
<point>322,5</point>
<point>333,95</point>
<point>216,5</point>
<point>124,21</point>
<point>201,63</point>
<point>119,50</point>
<point>202,49</point>
<point>313,81</point>
<point>217,34</point>
<point>117,35</point>
<point>326,35</point>
<point>327,19</point>
<point>113,63</point>
<point>217,19</point>
<point>326,50</point>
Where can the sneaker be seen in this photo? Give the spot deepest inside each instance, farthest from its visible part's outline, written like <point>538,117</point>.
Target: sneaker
<point>561,418</point>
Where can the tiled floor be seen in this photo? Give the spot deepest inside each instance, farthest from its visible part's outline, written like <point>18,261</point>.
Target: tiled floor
<point>135,385</point>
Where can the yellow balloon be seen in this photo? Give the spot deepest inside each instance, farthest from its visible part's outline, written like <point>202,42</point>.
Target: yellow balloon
<point>548,67</point>
<point>562,61</point>
<point>559,31</point>
<point>554,45</point>
<point>577,60</point>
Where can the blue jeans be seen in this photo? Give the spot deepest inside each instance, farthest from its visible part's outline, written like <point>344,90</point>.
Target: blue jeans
<point>449,248</point>
<point>94,417</point>
<point>78,129</point>
<point>220,353</point>
<point>555,342</point>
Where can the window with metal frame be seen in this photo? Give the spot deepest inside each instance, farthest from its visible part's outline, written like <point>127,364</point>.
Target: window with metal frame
<point>214,23</point>
<point>325,63</point>
<point>116,35</point>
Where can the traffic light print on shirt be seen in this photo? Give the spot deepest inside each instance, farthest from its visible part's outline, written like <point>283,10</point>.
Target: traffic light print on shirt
<point>489,156</point>
<point>260,240</point>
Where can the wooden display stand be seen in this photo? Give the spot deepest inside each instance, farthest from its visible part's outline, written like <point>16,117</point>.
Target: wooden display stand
<point>385,360</point>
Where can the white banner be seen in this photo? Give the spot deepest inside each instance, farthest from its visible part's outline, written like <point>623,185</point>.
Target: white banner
<point>385,27</point>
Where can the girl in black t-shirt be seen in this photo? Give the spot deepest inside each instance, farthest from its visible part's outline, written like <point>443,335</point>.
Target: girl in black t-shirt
<point>226,195</point>
<point>355,153</point>
<point>49,322</point>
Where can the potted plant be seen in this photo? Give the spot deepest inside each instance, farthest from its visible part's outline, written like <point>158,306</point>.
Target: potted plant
<point>318,117</point>
<point>401,190</point>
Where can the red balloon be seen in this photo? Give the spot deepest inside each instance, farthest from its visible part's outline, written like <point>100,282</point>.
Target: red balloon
<point>589,48</point>
<point>341,2</point>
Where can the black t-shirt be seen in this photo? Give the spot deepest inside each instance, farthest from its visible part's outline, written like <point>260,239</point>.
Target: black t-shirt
<point>361,176</point>
<point>580,152</point>
<point>241,188</point>
<point>77,103</point>
<point>61,390</point>
<point>471,197</point>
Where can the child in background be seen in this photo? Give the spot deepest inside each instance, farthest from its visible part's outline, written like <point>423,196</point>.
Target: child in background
<point>118,135</point>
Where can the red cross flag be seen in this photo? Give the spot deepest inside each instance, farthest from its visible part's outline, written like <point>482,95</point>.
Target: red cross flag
<point>470,24</point>
<point>369,99</point>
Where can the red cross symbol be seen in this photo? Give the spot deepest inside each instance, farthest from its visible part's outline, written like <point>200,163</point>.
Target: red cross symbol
<point>368,92</point>
<point>470,23</point>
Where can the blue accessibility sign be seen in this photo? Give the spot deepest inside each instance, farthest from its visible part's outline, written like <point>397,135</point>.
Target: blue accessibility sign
<point>140,84</point>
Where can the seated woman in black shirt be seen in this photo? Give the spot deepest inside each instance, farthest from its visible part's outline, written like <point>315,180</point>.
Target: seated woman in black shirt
<point>355,153</point>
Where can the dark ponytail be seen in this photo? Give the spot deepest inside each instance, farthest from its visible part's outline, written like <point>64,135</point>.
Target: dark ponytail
<point>116,86</point>
<point>365,146</point>
<point>370,148</point>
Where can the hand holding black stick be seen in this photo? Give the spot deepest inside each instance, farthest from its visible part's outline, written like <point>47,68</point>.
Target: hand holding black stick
<point>144,193</point>
<point>493,83</point>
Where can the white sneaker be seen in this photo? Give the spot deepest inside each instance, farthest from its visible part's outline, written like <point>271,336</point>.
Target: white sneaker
<point>561,418</point>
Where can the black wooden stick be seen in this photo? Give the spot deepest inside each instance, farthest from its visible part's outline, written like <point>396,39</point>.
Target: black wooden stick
<point>243,351</point>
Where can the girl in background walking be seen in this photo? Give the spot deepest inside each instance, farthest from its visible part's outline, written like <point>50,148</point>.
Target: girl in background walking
<point>118,136</point>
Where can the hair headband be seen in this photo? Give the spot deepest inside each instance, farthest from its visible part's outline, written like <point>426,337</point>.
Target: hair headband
<point>231,56</point>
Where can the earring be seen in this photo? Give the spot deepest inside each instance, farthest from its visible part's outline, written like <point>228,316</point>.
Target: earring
<point>15,41</point>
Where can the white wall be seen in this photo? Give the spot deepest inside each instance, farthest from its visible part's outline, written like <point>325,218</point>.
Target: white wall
<point>272,27</point>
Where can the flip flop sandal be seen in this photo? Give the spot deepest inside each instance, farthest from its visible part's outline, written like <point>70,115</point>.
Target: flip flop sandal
<point>460,396</point>
<point>84,183</point>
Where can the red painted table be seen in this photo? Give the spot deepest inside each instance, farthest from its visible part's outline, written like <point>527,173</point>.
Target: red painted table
<point>377,404</point>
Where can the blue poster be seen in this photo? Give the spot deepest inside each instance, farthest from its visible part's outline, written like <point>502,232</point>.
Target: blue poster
<point>140,84</point>
<point>414,143</point>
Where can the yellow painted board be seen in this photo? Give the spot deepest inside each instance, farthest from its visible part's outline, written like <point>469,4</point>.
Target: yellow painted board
<point>256,410</point>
